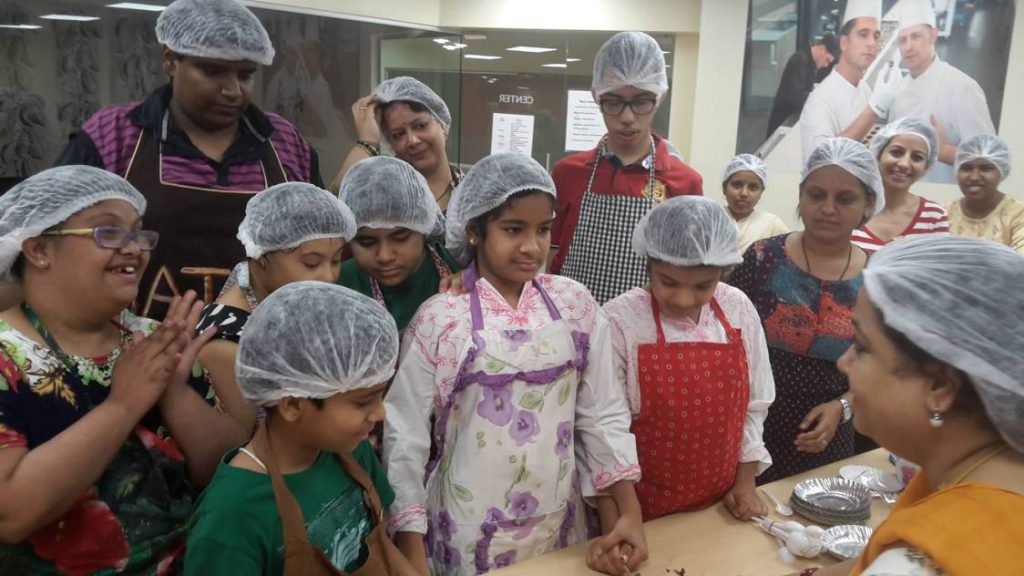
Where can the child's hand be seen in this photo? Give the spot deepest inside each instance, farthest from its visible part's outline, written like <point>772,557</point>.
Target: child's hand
<point>620,551</point>
<point>452,284</point>
<point>742,502</point>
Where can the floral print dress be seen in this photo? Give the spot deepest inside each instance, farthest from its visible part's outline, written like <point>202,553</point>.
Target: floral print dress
<point>527,419</point>
<point>134,519</point>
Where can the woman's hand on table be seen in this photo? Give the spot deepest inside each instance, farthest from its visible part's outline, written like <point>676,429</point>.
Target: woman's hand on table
<point>819,426</point>
<point>620,551</point>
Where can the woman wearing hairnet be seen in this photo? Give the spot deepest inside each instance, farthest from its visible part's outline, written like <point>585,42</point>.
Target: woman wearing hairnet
<point>804,285</point>
<point>603,193</point>
<point>936,376</point>
<point>414,121</point>
<point>743,182</point>
<point>197,148</point>
<point>399,258</point>
<point>291,232</point>
<point>689,244</point>
<point>512,380</point>
<point>306,495</point>
<point>105,430</point>
<point>982,163</point>
<point>905,150</point>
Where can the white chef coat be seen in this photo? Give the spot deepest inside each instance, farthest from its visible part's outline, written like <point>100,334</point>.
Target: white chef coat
<point>831,107</point>
<point>956,101</point>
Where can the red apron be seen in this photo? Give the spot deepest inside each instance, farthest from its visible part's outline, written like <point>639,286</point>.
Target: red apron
<point>694,399</point>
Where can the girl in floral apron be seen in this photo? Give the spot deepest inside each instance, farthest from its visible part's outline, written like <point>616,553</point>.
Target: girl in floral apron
<point>691,356</point>
<point>516,373</point>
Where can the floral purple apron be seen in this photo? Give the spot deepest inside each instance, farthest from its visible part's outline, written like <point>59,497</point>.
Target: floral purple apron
<point>503,487</point>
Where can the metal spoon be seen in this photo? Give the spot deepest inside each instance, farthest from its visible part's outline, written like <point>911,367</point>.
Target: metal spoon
<point>780,508</point>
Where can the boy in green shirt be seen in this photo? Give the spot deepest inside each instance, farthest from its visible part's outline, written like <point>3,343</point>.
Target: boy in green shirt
<point>316,357</point>
<point>398,257</point>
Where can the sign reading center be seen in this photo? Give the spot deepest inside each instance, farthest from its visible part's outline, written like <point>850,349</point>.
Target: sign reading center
<point>514,99</point>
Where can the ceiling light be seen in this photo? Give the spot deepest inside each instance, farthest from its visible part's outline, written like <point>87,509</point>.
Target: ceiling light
<point>481,57</point>
<point>531,49</point>
<point>572,59</point>
<point>69,17</point>
<point>20,26</point>
<point>474,36</point>
<point>555,65</point>
<point>440,40</point>
<point>137,6</point>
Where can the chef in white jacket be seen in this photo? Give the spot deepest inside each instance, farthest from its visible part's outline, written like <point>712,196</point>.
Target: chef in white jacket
<point>843,104</point>
<point>936,91</point>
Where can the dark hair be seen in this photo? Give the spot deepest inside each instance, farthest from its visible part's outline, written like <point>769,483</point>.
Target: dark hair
<point>318,402</point>
<point>18,268</point>
<point>479,224</point>
<point>847,28</point>
<point>913,359</point>
<point>831,44</point>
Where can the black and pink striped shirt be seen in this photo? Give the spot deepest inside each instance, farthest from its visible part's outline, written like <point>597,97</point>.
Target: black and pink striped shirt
<point>107,140</point>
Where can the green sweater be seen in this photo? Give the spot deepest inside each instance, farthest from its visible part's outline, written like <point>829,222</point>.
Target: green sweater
<point>402,300</point>
<point>237,529</point>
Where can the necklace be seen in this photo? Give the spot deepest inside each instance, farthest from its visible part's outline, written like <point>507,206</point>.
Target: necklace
<point>849,258</point>
<point>67,361</point>
<point>992,454</point>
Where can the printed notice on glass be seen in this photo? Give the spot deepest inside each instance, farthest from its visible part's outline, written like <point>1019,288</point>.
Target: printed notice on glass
<point>584,125</point>
<point>512,133</point>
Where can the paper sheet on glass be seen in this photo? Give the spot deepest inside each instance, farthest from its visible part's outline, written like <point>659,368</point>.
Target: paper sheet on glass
<point>512,133</point>
<point>584,125</point>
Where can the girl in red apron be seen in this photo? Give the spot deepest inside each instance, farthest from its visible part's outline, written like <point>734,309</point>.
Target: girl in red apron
<point>516,373</point>
<point>691,357</point>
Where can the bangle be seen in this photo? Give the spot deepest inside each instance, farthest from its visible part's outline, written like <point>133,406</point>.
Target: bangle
<point>371,149</point>
<point>809,571</point>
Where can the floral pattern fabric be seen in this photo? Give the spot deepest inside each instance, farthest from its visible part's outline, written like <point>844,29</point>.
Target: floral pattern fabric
<point>133,520</point>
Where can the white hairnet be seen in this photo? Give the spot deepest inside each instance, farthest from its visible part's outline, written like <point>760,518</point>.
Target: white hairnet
<point>630,59</point>
<point>748,162</point>
<point>487,185</point>
<point>49,198</point>
<point>289,214</point>
<point>219,29</point>
<point>985,147</point>
<point>853,157</point>
<point>958,299</point>
<point>385,192</point>
<point>409,89</point>
<point>908,125</point>
<point>688,231</point>
<point>314,340</point>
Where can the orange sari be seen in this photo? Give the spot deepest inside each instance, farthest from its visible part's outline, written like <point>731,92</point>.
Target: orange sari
<point>965,529</point>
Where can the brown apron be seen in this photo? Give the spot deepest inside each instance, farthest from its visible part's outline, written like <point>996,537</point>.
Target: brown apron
<point>301,558</point>
<point>197,226</point>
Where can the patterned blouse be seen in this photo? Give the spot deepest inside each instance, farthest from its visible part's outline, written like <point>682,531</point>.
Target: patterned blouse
<point>134,519</point>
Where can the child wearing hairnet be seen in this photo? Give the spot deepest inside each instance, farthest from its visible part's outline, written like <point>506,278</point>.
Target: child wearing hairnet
<point>743,183</point>
<point>691,358</point>
<point>603,193</point>
<point>512,379</point>
<point>982,163</point>
<point>305,495</point>
<point>398,255</point>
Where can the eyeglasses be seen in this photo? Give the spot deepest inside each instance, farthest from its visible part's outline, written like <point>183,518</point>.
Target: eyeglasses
<point>112,237</point>
<point>640,106</point>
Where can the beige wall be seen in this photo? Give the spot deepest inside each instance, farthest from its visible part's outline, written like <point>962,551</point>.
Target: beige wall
<point>408,12</point>
<point>648,15</point>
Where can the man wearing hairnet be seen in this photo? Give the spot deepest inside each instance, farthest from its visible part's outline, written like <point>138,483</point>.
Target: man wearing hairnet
<point>604,192</point>
<point>936,91</point>
<point>843,104</point>
<point>197,148</point>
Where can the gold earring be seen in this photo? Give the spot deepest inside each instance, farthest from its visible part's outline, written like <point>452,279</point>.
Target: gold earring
<point>472,241</point>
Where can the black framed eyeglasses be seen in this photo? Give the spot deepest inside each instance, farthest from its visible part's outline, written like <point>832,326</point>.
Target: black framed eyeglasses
<point>640,106</point>
<point>113,237</point>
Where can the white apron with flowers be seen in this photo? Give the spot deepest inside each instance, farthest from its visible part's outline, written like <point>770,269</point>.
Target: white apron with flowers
<point>504,487</point>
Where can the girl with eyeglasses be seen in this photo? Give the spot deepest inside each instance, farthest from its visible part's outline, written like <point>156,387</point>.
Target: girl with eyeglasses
<point>106,428</point>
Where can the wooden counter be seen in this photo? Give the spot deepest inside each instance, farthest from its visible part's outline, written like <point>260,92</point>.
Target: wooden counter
<point>711,542</point>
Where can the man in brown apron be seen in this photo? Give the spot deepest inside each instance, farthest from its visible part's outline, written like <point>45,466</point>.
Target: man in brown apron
<point>197,148</point>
